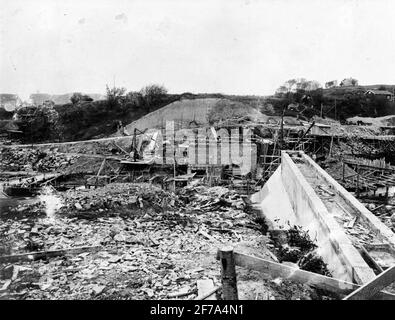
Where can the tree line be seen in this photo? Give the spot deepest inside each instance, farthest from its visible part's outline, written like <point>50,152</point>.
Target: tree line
<point>307,98</point>
<point>83,117</point>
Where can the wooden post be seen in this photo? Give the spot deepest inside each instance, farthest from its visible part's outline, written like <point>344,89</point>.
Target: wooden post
<point>100,170</point>
<point>228,273</point>
<point>330,148</point>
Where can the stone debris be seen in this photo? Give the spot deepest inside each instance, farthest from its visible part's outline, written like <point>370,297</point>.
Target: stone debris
<point>25,159</point>
<point>152,253</point>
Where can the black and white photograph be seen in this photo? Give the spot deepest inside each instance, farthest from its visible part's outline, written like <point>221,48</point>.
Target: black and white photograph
<point>206,153</point>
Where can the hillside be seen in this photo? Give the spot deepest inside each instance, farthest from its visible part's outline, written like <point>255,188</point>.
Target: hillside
<point>197,112</point>
<point>98,119</point>
<point>343,92</point>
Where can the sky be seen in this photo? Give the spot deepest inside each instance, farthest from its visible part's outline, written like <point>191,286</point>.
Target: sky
<point>226,46</point>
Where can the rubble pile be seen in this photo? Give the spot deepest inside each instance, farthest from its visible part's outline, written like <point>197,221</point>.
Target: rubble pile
<point>23,159</point>
<point>214,198</point>
<point>22,210</point>
<point>352,131</point>
<point>156,255</point>
<point>130,198</point>
<point>159,252</point>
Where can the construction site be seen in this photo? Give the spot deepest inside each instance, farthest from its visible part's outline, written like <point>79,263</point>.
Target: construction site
<point>197,154</point>
<point>171,207</point>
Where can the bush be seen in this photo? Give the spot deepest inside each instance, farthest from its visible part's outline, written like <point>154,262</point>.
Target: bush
<point>38,123</point>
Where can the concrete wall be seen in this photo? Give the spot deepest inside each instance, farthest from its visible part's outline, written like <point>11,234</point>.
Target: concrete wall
<point>343,259</point>
<point>273,201</point>
<point>287,196</point>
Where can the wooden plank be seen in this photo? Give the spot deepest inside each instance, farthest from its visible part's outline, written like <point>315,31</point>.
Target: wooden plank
<point>100,170</point>
<point>206,286</point>
<point>374,286</point>
<point>46,254</point>
<point>316,280</point>
<point>365,254</point>
<point>208,294</point>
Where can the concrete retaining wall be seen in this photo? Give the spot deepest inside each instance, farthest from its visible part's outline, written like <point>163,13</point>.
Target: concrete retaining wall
<point>273,201</point>
<point>288,197</point>
<point>343,259</point>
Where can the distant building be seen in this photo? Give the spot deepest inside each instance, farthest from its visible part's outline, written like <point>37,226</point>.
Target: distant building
<point>380,93</point>
<point>38,98</point>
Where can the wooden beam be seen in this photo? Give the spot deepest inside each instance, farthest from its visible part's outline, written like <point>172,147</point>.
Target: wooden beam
<point>120,148</point>
<point>368,258</point>
<point>275,269</point>
<point>46,254</point>
<point>100,170</point>
<point>374,286</point>
<point>208,294</point>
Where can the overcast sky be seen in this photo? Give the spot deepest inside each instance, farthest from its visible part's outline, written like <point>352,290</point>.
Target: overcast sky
<point>230,46</point>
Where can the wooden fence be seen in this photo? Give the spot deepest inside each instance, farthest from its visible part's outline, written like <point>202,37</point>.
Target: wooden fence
<point>230,259</point>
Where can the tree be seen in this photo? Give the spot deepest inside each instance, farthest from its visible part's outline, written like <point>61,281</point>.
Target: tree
<point>288,86</point>
<point>38,122</point>
<point>379,106</point>
<point>152,94</point>
<point>293,85</point>
<point>114,95</point>
<point>136,98</point>
<point>349,82</point>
